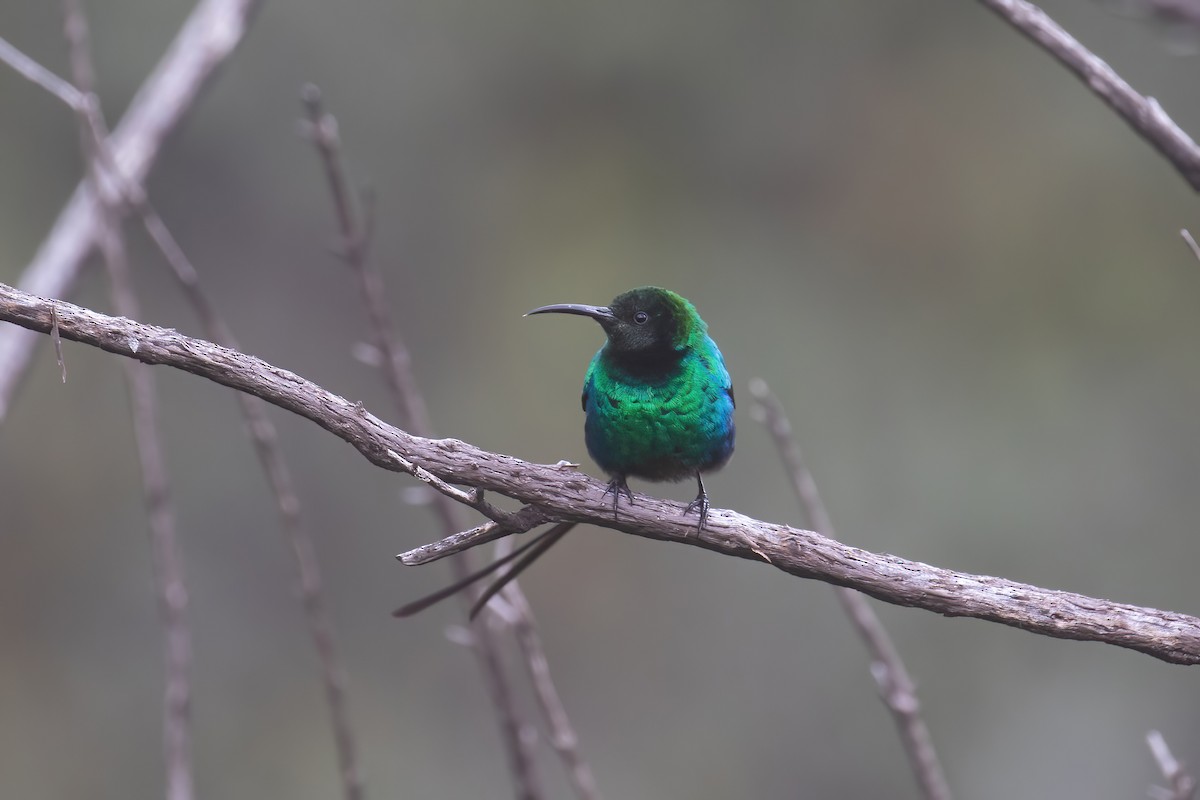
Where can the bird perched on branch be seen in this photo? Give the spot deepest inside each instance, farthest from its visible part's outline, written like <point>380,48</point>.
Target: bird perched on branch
<point>659,406</point>
<point>658,398</point>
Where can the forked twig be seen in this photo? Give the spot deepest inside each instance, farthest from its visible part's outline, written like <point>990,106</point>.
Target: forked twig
<point>164,542</point>
<point>265,438</point>
<point>207,39</point>
<point>397,368</point>
<point>35,73</point>
<point>896,687</point>
<point>112,186</point>
<point>1182,783</point>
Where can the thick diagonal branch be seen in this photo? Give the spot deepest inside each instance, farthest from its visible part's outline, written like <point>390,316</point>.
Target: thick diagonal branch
<point>1141,113</point>
<point>210,35</point>
<point>570,495</point>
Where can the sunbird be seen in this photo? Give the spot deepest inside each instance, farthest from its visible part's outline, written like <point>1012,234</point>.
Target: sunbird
<point>658,403</point>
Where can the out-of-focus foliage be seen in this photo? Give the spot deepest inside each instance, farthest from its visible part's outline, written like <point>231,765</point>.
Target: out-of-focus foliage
<point>959,270</point>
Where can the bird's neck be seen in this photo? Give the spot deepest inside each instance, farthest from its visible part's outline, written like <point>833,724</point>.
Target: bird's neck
<point>654,364</point>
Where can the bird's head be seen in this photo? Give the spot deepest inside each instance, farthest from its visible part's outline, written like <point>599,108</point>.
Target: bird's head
<point>646,322</point>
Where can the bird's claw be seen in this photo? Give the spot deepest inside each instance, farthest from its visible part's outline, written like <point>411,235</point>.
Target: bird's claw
<point>699,504</point>
<point>617,487</point>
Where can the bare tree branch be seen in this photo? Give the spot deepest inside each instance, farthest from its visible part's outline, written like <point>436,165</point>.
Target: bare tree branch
<point>1190,242</point>
<point>205,41</point>
<point>1183,785</point>
<point>355,234</point>
<point>143,398</point>
<point>265,438</point>
<point>36,73</point>
<point>397,370</point>
<point>1143,114</point>
<point>571,495</point>
<point>562,733</point>
<point>896,687</point>
<point>397,367</point>
<point>167,554</point>
<point>518,736</point>
<point>259,427</point>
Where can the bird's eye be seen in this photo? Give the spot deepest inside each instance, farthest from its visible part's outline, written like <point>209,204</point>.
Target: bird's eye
<point>641,317</point>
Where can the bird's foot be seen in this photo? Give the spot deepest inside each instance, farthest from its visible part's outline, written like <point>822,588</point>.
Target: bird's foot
<point>699,504</point>
<point>617,487</point>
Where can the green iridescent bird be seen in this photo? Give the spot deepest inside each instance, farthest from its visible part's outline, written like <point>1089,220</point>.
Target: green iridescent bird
<point>659,406</point>
<point>658,398</point>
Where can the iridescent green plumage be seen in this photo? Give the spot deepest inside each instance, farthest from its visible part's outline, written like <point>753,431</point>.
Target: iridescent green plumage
<point>658,398</point>
<point>659,406</point>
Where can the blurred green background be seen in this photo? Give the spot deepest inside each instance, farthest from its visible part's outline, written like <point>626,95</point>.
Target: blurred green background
<point>961,273</point>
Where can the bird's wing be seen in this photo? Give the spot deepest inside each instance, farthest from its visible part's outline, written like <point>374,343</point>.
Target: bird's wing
<point>723,373</point>
<point>587,379</point>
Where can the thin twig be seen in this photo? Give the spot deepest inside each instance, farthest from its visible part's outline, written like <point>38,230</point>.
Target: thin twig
<point>265,438</point>
<point>167,558</point>
<point>1191,243</point>
<point>524,520</point>
<point>35,72</point>
<point>168,566</point>
<point>1143,114</point>
<point>1183,785</point>
<point>355,233</point>
<point>572,496</point>
<point>355,244</point>
<point>208,37</point>
<point>473,499</point>
<point>562,733</point>
<point>263,434</point>
<point>896,687</point>
<point>58,351</point>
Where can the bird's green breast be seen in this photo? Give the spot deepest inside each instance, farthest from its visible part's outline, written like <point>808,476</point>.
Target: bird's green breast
<point>660,421</point>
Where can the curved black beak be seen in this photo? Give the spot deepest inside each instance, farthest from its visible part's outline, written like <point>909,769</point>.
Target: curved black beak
<point>601,313</point>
